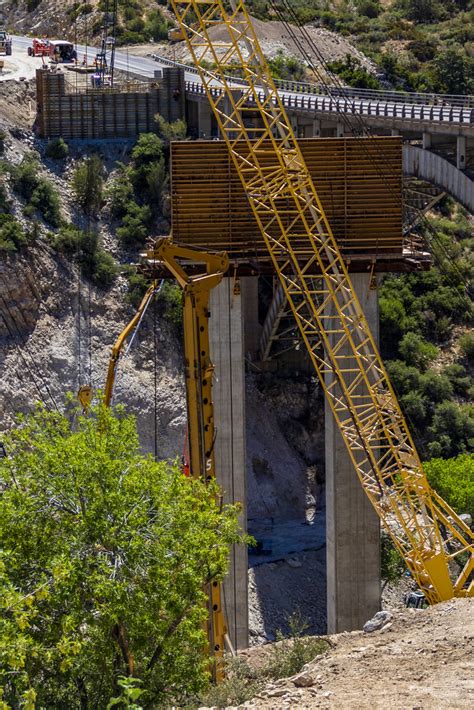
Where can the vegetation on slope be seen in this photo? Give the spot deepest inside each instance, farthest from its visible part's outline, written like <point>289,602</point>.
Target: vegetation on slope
<point>422,45</point>
<point>421,318</point>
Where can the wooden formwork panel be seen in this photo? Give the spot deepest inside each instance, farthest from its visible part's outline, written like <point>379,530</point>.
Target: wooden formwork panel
<point>358,180</point>
<point>92,114</point>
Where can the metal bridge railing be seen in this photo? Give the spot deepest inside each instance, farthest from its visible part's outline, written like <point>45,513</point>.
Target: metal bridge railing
<point>381,109</point>
<point>378,95</point>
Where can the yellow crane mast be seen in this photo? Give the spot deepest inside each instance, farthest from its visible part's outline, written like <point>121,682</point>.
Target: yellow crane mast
<point>435,543</point>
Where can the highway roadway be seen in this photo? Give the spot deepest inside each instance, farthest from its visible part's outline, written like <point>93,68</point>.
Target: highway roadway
<point>436,110</point>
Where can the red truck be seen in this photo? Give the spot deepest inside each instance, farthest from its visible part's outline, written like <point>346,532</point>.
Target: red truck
<point>58,50</point>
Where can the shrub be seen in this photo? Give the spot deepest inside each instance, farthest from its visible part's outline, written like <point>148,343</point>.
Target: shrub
<point>453,479</point>
<point>45,200</point>
<point>466,343</point>
<point>25,176</point>
<point>459,378</point>
<point>104,558</point>
<point>5,203</point>
<point>369,8</point>
<point>415,406</point>
<point>174,131</point>
<point>436,387</point>
<point>3,137</point>
<point>352,73</point>
<point>12,234</point>
<point>392,563</point>
<point>135,225</point>
<point>404,378</point>
<point>137,286</point>
<point>170,300</point>
<point>57,149</point>
<point>147,149</point>
<point>416,351</point>
<point>95,262</point>
<point>452,430</point>
<point>120,192</point>
<point>88,183</point>
<point>289,655</point>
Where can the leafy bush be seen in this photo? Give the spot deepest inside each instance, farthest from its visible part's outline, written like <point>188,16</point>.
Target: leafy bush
<point>416,351</point>
<point>120,192</point>
<point>352,73</point>
<point>57,149</point>
<point>147,149</point>
<point>170,300</point>
<point>466,343</point>
<point>3,137</point>
<point>452,430</point>
<point>104,558</point>
<point>25,176</point>
<point>38,192</point>
<point>45,200</point>
<point>392,564</point>
<point>88,183</point>
<point>289,655</point>
<point>135,225</point>
<point>137,286</point>
<point>5,203</point>
<point>453,479</point>
<point>12,234</point>
<point>286,68</point>
<point>95,262</point>
<point>174,131</point>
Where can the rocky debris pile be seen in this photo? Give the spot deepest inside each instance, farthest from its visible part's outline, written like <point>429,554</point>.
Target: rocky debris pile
<point>274,39</point>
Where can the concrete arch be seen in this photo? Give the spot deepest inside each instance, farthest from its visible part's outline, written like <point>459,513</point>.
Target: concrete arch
<point>431,167</point>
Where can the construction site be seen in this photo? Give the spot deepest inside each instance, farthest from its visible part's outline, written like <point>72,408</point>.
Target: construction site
<point>285,216</point>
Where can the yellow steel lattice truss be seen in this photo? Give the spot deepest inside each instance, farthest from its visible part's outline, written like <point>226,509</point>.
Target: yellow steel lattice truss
<point>434,541</point>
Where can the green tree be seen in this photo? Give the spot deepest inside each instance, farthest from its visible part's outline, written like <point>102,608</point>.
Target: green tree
<point>104,558</point>
<point>453,72</point>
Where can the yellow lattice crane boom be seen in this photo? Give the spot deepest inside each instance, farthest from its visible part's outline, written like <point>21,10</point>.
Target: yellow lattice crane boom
<point>435,543</point>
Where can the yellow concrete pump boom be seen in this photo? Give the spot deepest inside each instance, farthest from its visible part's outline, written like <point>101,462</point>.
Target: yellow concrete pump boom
<point>208,270</point>
<point>435,543</point>
<point>120,342</point>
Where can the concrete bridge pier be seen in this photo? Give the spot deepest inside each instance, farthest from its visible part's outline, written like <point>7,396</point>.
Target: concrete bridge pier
<point>461,152</point>
<point>352,525</point>
<point>227,353</point>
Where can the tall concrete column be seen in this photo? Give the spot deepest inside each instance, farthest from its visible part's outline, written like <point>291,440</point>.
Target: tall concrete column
<point>352,527</point>
<point>316,128</point>
<point>227,353</point>
<point>461,152</point>
<point>426,141</point>
<point>252,327</point>
<point>339,130</point>
<point>204,119</point>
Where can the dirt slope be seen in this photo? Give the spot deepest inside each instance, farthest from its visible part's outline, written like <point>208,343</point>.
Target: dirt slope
<point>421,660</point>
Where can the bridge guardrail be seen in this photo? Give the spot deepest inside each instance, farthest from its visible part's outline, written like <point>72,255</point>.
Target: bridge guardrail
<point>379,95</point>
<point>410,112</point>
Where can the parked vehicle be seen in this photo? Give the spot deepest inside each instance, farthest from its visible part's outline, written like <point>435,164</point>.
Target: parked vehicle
<point>5,43</point>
